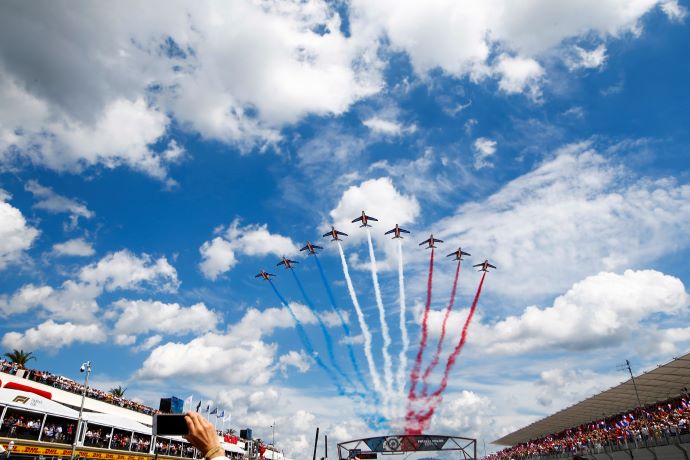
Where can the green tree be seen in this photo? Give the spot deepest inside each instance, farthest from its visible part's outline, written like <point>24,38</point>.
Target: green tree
<point>118,391</point>
<point>20,356</point>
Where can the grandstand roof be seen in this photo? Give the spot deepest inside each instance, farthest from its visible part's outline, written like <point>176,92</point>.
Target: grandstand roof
<point>665,382</point>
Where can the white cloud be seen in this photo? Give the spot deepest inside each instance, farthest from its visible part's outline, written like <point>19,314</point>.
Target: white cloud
<point>115,80</point>
<point>674,10</point>
<point>52,202</point>
<point>518,74</point>
<point>212,357</point>
<point>298,360</point>
<point>575,214</point>
<point>76,300</point>
<point>387,127</point>
<point>220,254</point>
<point>15,235</point>
<point>74,247</point>
<point>124,270</point>
<point>51,336</point>
<point>380,199</point>
<point>149,343</point>
<point>143,316</point>
<point>483,149</point>
<point>583,59</point>
<point>602,310</point>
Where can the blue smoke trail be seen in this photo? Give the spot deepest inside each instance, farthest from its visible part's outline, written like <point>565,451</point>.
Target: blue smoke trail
<point>346,328</point>
<point>306,343</point>
<point>375,422</point>
<point>324,329</point>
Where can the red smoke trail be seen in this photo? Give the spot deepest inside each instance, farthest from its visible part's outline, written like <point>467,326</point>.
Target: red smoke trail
<point>439,347</point>
<point>422,419</point>
<point>414,375</point>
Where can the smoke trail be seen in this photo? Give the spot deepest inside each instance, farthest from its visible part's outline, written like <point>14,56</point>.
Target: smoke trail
<point>439,346</point>
<point>306,343</point>
<point>324,329</point>
<point>387,363</point>
<point>362,324</point>
<point>424,418</point>
<point>402,365</point>
<point>343,323</point>
<point>414,376</point>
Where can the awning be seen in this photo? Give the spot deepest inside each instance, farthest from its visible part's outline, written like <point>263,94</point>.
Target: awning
<point>116,421</point>
<point>232,448</point>
<point>33,402</point>
<point>665,382</point>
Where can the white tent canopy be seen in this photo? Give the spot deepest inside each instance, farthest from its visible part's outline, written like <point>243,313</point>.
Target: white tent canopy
<point>33,402</point>
<point>231,447</point>
<point>116,421</point>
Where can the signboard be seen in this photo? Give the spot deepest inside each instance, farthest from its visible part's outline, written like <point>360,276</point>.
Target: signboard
<point>63,452</point>
<point>407,443</point>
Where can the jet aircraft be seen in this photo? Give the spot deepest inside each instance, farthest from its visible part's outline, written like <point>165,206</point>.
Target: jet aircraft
<point>485,266</point>
<point>334,234</point>
<point>431,242</point>
<point>396,231</point>
<point>311,248</point>
<point>287,262</point>
<point>365,220</point>
<point>458,254</point>
<point>264,275</point>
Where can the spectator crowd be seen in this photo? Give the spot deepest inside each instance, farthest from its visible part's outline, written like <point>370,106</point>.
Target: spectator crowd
<point>645,424</point>
<point>66,384</point>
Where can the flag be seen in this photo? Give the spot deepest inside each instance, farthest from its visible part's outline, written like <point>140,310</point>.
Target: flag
<point>198,406</point>
<point>214,411</point>
<point>227,419</point>
<point>221,414</point>
<point>208,408</point>
<point>188,404</point>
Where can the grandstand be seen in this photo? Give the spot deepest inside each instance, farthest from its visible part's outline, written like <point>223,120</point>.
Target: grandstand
<point>614,420</point>
<point>41,419</point>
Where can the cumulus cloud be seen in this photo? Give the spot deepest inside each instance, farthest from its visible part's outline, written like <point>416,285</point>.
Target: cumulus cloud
<point>124,270</point>
<point>76,299</point>
<point>519,74</point>
<point>583,59</point>
<point>143,316</point>
<point>387,127</point>
<point>15,235</point>
<point>575,214</point>
<point>52,336</point>
<point>116,81</point>
<point>299,360</point>
<point>379,198</point>
<point>674,10</point>
<point>74,247</point>
<point>483,149</point>
<point>220,254</point>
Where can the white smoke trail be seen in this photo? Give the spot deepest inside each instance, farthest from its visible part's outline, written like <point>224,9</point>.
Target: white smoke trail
<point>363,325</point>
<point>387,362</point>
<point>402,365</point>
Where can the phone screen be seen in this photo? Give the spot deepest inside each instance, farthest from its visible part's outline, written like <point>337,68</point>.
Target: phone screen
<point>169,424</point>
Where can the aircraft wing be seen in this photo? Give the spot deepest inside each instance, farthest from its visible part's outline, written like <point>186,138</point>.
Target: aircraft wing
<point>282,262</point>
<point>389,232</point>
<point>452,254</point>
<point>307,247</point>
<point>373,218</point>
<point>437,241</point>
<point>259,275</point>
<point>478,265</point>
<point>341,233</point>
<point>492,266</point>
<point>316,247</point>
<point>357,219</point>
<point>404,231</point>
<point>326,234</point>
<point>425,242</point>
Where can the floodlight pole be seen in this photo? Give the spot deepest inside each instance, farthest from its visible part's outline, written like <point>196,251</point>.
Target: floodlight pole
<point>85,367</point>
<point>632,377</point>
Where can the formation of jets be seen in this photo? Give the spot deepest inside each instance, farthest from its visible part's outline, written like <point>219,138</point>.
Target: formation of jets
<point>335,235</point>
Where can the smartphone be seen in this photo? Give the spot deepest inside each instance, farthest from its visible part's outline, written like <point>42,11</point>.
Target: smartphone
<point>169,424</point>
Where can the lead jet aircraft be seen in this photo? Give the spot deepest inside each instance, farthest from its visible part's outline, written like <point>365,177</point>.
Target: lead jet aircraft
<point>397,230</point>
<point>287,262</point>
<point>431,242</point>
<point>264,275</point>
<point>458,254</point>
<point>311,248</point>
<point>485,266</point>
<point>334,234</point>
<point>365,220</point>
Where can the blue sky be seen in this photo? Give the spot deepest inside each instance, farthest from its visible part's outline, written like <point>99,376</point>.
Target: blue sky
<point>151,162</point>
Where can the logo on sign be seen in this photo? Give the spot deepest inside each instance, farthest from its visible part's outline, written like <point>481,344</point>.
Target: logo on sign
<point>21,399</point>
